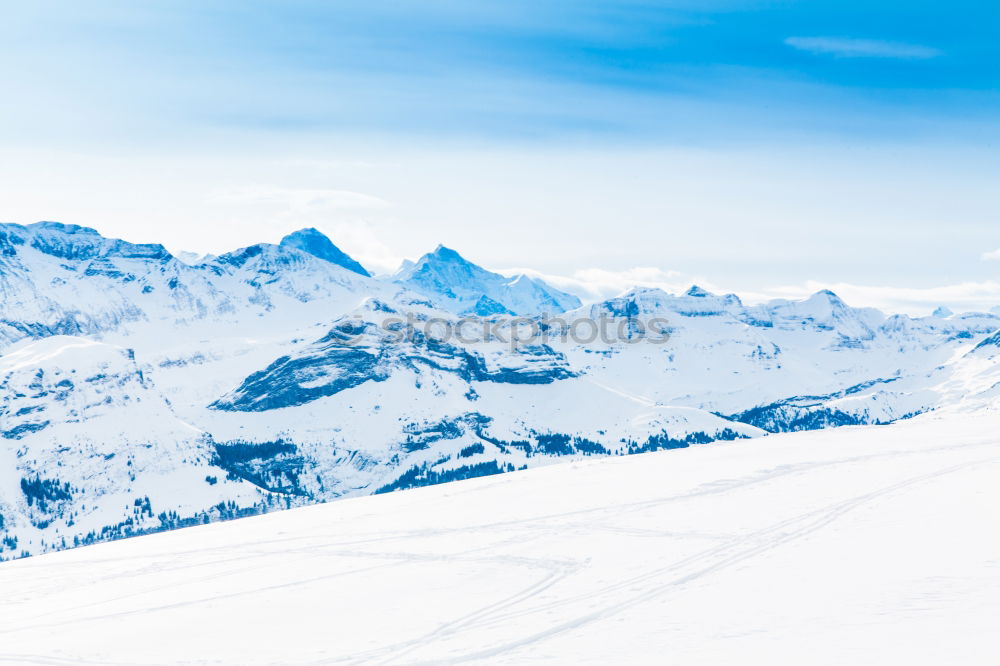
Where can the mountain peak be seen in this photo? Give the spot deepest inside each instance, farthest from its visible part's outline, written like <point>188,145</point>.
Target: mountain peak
<point>697,292</point>
<point>64,228</point>
<point>76,243</point>
<point>447,254</point>
<point>314,242</point>
<point>942,312</point>
<point>825,297</point>
<point>458,285</point>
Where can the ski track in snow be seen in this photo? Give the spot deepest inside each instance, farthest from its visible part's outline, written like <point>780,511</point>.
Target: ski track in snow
<point>727,554</point>
<point>642,400</point>
<point>567,563</point>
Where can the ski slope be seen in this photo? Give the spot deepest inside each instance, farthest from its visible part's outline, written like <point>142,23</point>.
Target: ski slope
<point>856,545</point>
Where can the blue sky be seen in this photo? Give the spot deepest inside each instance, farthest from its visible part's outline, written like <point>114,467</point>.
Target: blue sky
<point>666,71</point>
<point>518,131</point>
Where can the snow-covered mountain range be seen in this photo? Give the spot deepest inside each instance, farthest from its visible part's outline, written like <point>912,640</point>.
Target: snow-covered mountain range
<point>140,391</point>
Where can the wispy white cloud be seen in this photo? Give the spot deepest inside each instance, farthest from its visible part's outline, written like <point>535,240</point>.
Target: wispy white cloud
<point>848,47</point>
<point>298,199</point>
<point>363,241</point>
<point>266,213</point>
<point>993,255</point>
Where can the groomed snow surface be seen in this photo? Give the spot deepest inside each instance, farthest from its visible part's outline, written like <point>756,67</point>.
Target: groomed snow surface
<point>861,545</point>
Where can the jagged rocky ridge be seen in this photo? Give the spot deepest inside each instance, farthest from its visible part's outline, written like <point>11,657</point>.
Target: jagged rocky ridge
<point>142,393</point>
<point>358,350</point>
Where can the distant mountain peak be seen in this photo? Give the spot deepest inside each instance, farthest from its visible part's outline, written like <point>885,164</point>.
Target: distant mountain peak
<point>459,285</point>
<point>73,242</point>
<point>697,292</point>
<point>316,243</point>
<point>942,312</point>
<point>64,228</point>
<point>444,254</point>
<point>826,294</point>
